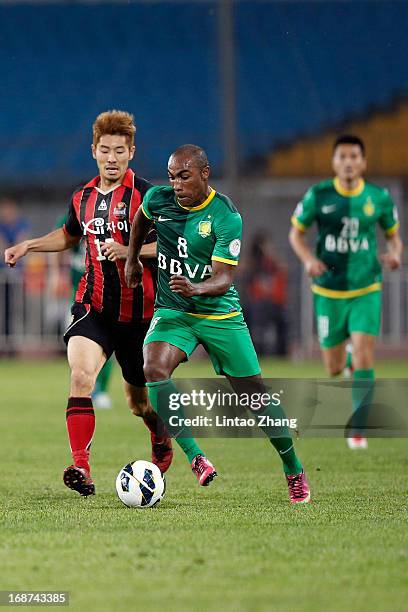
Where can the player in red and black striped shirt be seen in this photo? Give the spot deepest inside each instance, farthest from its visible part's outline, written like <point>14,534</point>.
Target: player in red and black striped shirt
<point>107,316</point>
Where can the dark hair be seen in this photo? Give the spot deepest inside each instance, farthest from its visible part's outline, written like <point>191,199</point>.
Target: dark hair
<point>349,139</point>
<point>196,154</point>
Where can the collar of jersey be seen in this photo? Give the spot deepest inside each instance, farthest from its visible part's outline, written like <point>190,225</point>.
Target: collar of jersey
<point>127,181</point>
<point>348,192</point>
<point>200,206</point>
<point>109,190</point>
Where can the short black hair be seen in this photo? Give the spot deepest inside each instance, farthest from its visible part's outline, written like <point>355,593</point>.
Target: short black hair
<point>349,139</point>
<point>197,155</point>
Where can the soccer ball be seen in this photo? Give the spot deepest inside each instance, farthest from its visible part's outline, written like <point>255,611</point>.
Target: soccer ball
<point>140,484</point>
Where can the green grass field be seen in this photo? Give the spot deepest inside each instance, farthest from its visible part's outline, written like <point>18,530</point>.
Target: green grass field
<point>236,545</point>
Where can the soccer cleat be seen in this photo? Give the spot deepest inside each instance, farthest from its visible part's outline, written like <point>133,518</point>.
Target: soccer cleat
<point>299,491</point>
<point>357,443</point>
<point>79,479</point>
<point>203,469</point>
<point>162,452</point>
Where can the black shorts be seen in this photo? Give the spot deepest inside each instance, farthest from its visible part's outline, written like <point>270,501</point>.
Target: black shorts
<point>123,339</point>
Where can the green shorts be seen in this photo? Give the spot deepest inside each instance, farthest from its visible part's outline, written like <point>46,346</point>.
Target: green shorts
<point>338,318</point>
<point>227,341</point>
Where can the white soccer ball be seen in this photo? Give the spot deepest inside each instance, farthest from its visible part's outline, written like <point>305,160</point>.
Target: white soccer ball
<point>140,484</point>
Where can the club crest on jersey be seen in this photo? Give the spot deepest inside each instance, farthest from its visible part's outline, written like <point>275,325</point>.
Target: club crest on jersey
<point>204,228</point>
<point>369,208</point>
<point>120,210</point>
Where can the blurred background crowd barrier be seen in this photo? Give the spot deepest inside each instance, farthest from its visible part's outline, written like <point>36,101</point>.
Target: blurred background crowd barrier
<point>263,86</point>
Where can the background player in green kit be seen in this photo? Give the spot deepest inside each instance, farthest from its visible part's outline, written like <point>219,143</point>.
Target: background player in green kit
<point>346,271</point>
<point>199,239</point>
<point>100,396</point>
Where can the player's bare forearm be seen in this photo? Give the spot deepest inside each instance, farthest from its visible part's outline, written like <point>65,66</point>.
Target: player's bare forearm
<point>134,268</point>
<point>149,251</point>
<point>114,250</point>
<point>55,241</point>
<point>394,244</point>
<point>392,258</point>
<point>218,284</point>
<point>313,266</point>
<point>140,228</point>
<point>298,243</point>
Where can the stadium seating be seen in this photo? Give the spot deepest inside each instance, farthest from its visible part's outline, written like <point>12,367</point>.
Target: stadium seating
<point>384,133</point>
<point>300,67</point>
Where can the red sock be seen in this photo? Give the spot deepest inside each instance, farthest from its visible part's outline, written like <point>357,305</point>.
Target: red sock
<point>81,427</point>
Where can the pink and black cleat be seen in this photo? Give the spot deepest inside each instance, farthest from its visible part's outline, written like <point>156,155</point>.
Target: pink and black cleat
<point>203,469</point>
<point>299,491</point>
<point>79,479</point>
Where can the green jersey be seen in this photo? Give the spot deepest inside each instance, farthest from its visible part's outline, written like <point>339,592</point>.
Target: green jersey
<point>78,253</point>
<point>188,240</point>
<point>346,242</point>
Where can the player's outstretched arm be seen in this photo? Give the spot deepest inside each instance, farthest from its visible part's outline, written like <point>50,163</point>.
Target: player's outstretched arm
<point>134,268</point>
<point>219,282</point>
<point>58,240</point>
<point>313,266</point>
<point>392,258</point>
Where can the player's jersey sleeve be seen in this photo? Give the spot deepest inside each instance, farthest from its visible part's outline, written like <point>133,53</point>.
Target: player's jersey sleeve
<point>388,219</point>
<point>305,212</point>
<point>148,202</point>
<point>228,233</point>
<point>72,226</point>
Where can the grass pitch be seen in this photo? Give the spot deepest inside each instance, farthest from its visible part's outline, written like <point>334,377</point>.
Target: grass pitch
<point>236,545</point>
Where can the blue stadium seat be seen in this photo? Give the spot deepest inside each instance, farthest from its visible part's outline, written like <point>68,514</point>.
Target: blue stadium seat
<point>300,67</point>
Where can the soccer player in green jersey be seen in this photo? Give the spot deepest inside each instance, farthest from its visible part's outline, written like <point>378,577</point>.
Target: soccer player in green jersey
<point>346,270</point>
<point>199,240</point>
<point>100,395</point>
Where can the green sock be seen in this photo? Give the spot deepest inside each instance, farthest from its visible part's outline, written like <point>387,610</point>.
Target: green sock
<point>280,439</point>
<point>349,356</point>
<point>362,397</point>
<point>286,450</point>
<point>102,381</point>
<point>159,394</point>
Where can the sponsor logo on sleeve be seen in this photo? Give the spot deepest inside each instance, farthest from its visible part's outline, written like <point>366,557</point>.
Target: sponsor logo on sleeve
<point>235,247</point>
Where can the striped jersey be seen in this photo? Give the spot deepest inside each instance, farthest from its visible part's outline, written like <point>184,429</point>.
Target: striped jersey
<point>346,234</point>
<point>100,217</point>
<point>188,241</point>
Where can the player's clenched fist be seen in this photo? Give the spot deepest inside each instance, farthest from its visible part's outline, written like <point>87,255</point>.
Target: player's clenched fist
<point>133,273</point>
<point>391,260</point>
<point>113,250</point>
<point>14,253</point>
<point>180,284</point>
<point>315,267</point>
